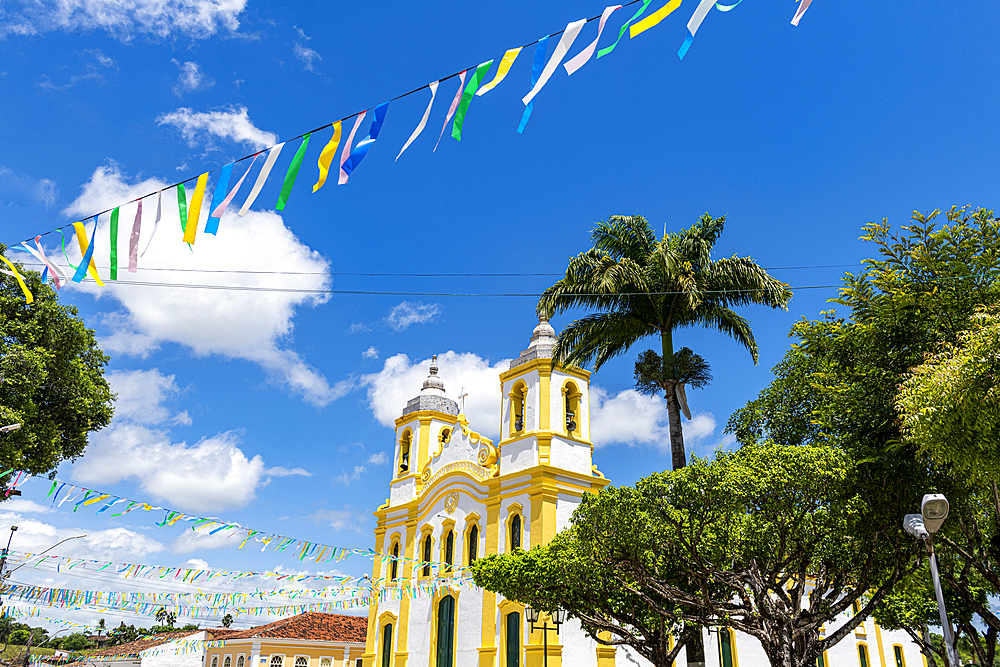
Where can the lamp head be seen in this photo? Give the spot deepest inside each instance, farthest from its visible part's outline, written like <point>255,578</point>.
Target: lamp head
<point>9,428</point>
<point>531,614</point>
<point>934,509</point>
<point>558,616</point>
<point>914,525</point>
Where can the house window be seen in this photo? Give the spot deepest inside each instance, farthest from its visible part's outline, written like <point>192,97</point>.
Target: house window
<point>727,651</point>
<point>215,661</point>
<point>404,452</point>
<point>227,661</point>
<point>897,651</point>
<point>446,632</point>
<point>473,544</point>
<point>427,556</point>
<point>326,662</point>
<point>515,532</point>
<point>386,644</point>
<point>240,660</point>
<point>276,661</point>
<point>513,629</point>
<point>394,568</point>
<point>449,549</point>
<point>863,656</point>
<point>301,661</point>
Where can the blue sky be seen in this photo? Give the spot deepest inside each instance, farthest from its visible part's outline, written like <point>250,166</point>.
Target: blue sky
<point>275,409</point>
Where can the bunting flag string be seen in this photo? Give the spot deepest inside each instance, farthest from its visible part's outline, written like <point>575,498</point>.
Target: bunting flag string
<point>351,156</point>
<point>133,241</point>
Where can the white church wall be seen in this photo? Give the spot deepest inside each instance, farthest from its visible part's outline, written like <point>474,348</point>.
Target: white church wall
<point>577,647</point>
<point>565,506</point>
<point>469,628</point>
<point>402,491</point>
<point>518,455</point>
<point>569,455</point>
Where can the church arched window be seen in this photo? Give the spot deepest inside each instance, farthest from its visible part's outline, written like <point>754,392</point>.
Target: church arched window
<point>387,645</point>
<point>394,568</point>
<point>518,401</point>
<point>727,648</point>
<point>863,656</point>
<point>428,543</point>
<point>404,452</point>
<point>473,544</point>
<point>449,549</point>
<point>572,416</point>
<point>512,623</point>
<point>515,532</point>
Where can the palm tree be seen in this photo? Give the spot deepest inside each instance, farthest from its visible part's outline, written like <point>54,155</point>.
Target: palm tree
<point>640,286</point>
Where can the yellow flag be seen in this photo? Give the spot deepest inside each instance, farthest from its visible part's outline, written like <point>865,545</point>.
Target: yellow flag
<point>81,238</point>
<point>326,157</point>
<point>194,210</point>
<point>654,18</point>
<point>28,298</point>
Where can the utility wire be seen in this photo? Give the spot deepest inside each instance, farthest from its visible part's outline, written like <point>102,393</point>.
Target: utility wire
<point>322,127</point>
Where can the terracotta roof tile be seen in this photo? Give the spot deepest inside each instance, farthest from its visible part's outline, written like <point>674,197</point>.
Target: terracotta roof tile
<point>312,625</point>
<point>133,648</point>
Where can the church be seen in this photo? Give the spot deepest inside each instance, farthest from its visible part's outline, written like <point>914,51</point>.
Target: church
<point>456,496</point>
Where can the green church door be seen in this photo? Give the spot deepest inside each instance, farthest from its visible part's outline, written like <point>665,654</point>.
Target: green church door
<point>446,632</point>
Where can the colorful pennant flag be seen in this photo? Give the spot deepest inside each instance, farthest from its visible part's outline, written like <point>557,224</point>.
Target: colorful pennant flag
<point>505,64</point>
<point>272,157</point>
<point>194,214</point>
<point>704,7</point>
<point>580,59</point>
<point>470,90</point>
<point>212,226</point>
<point>156,222</point>
<point>326,156</point>
<point>221,208</point>
<point>562,48</point>
<point>365,145</point>
<point>28,297</point>
<point>608,49</point>
<point>87,252</point>
<point>454,105</point>
<point>423,121</point>
<point>114,244</point>
<point>536,69</point>
<point>182,206</point>
<point>292,173</point>
<point>654,18</point>
<point>726,8</point>
<point>803,6</point>
<point>133,242</point>
<point>347,148</point>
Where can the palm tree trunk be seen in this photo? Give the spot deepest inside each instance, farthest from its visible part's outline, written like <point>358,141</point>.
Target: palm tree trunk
<point>677,454</point>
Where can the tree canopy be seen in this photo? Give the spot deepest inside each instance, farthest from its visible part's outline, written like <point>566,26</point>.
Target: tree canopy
<point>51,378</point>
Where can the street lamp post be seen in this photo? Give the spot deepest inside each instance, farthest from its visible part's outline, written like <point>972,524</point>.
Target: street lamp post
<point>933,512</point>
<point>557,616</point>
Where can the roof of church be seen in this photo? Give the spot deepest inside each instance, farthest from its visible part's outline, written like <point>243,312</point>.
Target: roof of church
<point>312,625</point>
<point>543,342</point>
<point>432,396</point>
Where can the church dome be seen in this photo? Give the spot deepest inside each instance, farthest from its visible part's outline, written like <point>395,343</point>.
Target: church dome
<point>543,342</point>
<point>432,395</point>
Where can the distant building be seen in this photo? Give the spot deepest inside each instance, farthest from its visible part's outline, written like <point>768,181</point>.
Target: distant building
<point>308,640</point>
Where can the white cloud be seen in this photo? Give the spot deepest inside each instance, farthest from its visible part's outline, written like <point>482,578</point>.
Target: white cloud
<point>231,123</point>
<point>410,312</point>
<point>346,478</point>
<point>378,459</point>
<point>248,325</point>
<point>198,563</point>
<point>190,79</point>
<point>370,353</point>
<point>111,543</point>
<point>24,505</point>
<point>123,19</point>
<point>631,418</point>
<point>18,189</point>
<point>196,540</point>
<point>141,395</point>
<point>400,380</point>
<point>308,56</point>
<point>212,474</point>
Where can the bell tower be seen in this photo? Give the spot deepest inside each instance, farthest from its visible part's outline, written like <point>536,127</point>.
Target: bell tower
<point>545,415</point>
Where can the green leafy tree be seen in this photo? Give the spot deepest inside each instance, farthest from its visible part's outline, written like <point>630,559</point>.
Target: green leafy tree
<point>76,642</point>
<point>639,286</point>
<point>771,540</point>
<point>124,635</point>
<point>51,378</point>
<point>227,620</point>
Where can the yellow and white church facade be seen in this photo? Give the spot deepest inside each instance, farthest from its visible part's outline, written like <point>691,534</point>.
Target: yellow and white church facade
<point>456,496</point>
